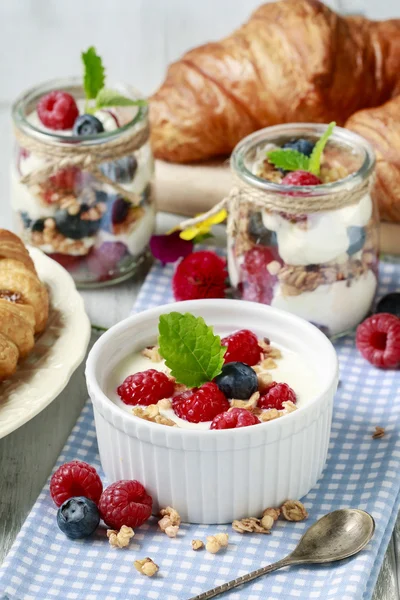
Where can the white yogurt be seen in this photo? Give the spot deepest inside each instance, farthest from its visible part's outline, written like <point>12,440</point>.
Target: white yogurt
<point>325,237</point>
<point>291,369</point>
<point>337,306</point>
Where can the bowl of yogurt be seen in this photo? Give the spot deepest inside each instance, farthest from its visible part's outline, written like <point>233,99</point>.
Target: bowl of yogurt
<point>319,262</point>
<point>211,474</point>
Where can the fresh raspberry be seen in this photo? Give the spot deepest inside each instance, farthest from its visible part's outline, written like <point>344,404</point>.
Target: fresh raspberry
<point>277,393</point>
<point>125,502</point>
<point>57,110</point>
<point>200,275</point>
<point>301,178</point>
<point>146,387</point>
<point>65,179</point>
<point>258,282</point>
<point>234,418</point>
<point>75,478</point>
<point>378,340</point>
<point>200,404</point>
<point>242,347</point>
<point>257,258</point>
<point>68,261</point>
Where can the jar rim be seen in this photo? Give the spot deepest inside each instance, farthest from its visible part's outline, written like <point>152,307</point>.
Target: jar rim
<point>33,94</point>
<point>339,134</point>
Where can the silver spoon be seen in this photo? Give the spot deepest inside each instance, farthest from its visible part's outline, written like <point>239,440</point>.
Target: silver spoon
<point>335,536</point>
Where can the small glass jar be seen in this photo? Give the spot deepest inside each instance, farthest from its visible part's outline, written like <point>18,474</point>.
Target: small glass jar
<point>97,227</point>
<point>321,264</point>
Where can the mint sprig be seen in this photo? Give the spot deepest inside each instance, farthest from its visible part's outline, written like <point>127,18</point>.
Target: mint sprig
<point>315,158</point>
<point>190,348</point>
<point>106,98</point>
<point>292,160</point>
<point>94,85</point>
<point>94,74</point>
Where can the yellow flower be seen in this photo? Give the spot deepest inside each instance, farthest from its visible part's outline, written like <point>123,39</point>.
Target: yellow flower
<point>204,226</point>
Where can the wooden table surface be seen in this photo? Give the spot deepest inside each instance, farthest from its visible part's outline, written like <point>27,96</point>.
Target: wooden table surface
<point>28,454</point>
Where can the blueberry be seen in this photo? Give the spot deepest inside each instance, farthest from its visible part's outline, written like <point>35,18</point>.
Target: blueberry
<point>78,517</point>
<point>119,211</point>
<point>257,231</point>
<point>87,125</point>
<point>237,380</point>
<point>122,170</point>
<point>356,239</point>
<point>389,304</point>
<point>301,145</point>
<point>25,218</point>
<point>37,225</point>
<point>116,212</point>
<point>73,226</point>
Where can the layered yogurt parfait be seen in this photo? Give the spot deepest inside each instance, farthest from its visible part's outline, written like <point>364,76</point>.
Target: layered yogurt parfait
<point>313,249</point>
<point>210,383</point>
<point>82,173</point>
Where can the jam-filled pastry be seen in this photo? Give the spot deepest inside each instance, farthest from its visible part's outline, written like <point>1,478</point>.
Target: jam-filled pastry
<point>24,303</point>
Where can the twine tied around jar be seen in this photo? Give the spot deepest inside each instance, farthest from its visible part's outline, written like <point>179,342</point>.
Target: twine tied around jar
<point>291,203</point>
<point>59,156</point>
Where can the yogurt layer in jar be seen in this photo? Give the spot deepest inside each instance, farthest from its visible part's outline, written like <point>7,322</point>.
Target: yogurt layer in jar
<point>319,263</point>
<point>96,225</point>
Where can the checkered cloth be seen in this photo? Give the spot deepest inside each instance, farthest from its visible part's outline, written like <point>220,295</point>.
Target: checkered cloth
<point>361,472</point>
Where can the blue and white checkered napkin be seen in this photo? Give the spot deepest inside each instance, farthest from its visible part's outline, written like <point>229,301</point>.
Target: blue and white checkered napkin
<point>361,472</point>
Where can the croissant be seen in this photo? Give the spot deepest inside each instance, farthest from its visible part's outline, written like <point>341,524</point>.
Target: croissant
<point>294,60</point>
<point>24,303</point>
<point>381,126</point>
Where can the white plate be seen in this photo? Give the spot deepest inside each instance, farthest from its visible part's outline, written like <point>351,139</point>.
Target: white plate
<point>58,351</point>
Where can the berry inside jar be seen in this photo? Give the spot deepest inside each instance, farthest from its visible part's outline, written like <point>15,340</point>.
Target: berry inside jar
<point>96,222</point>
<point>319,264</point>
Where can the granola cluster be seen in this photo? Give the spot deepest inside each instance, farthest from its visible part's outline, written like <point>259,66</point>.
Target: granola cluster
<point>121,538</point>
<point>146,566</point>
<point>291,510</point>
<point>152,413</point>
<point>297,279</point>
<point>169,522</point>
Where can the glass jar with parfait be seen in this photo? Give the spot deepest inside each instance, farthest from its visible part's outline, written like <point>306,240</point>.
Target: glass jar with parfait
<point>81,178</point>
<point>302,224</point>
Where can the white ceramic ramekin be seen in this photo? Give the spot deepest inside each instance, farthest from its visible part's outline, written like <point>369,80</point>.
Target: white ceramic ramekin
<point>216,476</point>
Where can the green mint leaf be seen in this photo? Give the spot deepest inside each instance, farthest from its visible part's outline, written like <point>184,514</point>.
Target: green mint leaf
<point>106,97</point>
<point>190,348</point>
<point>287,159</point>
<point>315,158</point>
<point>93,76</point>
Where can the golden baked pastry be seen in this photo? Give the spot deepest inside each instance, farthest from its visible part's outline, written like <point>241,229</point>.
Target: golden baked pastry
<point>24,303</point>
<point>381,126</point>
<point>294,60</point>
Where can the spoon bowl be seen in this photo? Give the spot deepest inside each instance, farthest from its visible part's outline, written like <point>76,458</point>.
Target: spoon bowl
<point>338,535</point>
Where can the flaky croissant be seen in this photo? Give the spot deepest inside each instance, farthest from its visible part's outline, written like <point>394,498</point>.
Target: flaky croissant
<point>294,60</point>
<point>381,126</point>
<point>24,303</point>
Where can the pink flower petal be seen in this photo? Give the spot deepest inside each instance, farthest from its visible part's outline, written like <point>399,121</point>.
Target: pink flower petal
<point>169,248</point>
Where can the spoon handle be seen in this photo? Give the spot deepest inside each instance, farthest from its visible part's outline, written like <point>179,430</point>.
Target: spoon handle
<point>226,587</point>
